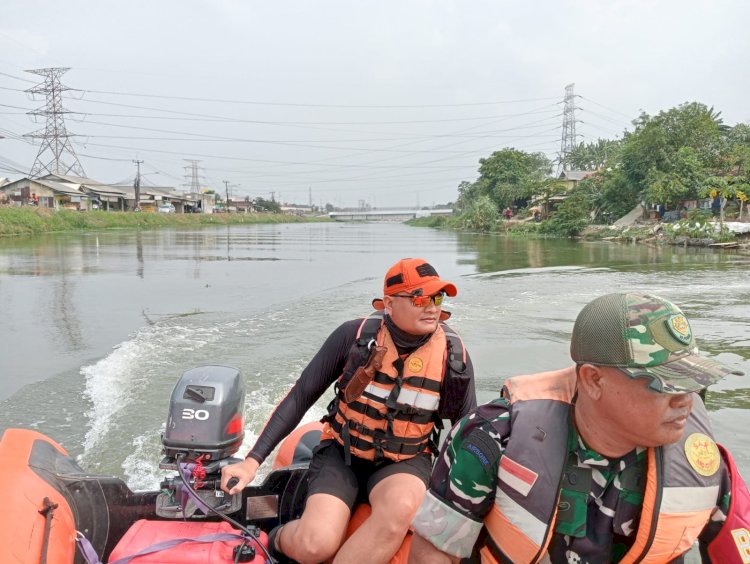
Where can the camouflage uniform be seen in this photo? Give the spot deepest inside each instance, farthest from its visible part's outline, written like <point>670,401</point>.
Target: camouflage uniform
<point>602,521</point>
<point>643,336</point>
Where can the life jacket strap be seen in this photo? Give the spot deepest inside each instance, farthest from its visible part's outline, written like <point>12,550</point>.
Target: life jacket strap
<point>48,511</point>
<point>404,413</point>
<point>380,442</point>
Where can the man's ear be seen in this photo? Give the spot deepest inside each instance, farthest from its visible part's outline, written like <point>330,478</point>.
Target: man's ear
<point>590,380</point>
<point>388,303</point>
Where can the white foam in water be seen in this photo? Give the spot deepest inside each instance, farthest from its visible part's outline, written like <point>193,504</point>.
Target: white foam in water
<point>110,381</point>
<point>122,388</point>
<point>117,382</point>
<point>141,466</point>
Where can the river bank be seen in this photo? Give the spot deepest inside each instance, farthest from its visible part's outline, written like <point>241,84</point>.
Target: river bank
<point>700,235</point>
<point>661,234</point>
<point>35,221</point>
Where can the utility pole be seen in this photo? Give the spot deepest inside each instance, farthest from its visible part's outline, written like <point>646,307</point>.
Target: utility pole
<point>226,190</point>
<point>55,137</point>
<point>568,140</point>
<point>137,186</point>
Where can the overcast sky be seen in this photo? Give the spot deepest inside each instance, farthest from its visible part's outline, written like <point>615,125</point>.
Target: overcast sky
<point>390,102</point>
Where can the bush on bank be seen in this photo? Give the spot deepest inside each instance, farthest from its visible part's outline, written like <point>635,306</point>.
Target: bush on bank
<point>34,221</point>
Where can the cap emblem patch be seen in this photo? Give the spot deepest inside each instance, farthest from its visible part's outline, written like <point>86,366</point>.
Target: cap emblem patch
<point>415,365</point>
<point>425,270</point>
<point>702,454</point>
<point>680,328</point>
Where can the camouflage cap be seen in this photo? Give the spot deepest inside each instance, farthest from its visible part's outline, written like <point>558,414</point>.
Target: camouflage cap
<point>644,336</point>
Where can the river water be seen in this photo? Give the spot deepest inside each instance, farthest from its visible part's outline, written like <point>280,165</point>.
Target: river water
<point>96,328</point>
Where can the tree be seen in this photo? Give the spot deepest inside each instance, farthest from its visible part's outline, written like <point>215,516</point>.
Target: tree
<point>467,192</point>
<point>267,205</point>
<point>742,197</point>
<point>684,140</point>
<point>510,177</point>
<point>682,182</point>
<point>724,187</point>
<point>480,215</point>
<point>571,217</point>
<point>609,193</point>
<point>545,188</point>
<point>594,156</point>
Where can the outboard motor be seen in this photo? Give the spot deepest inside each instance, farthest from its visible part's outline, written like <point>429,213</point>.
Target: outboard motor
<point>205,427</point>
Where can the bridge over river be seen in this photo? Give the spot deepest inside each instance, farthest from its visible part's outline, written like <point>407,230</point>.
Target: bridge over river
<point>385,215</point>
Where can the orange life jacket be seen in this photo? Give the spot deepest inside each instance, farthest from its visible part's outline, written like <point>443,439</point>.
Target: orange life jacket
<point>396,415</point>
<point>678,500</point>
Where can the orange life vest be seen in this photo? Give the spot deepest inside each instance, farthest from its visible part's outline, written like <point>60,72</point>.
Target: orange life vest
<point>395,416</point>
<point>678,500</point>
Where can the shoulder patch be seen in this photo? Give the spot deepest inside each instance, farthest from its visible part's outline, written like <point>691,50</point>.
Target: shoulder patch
<point>484,449</point>
<point>702,454</point>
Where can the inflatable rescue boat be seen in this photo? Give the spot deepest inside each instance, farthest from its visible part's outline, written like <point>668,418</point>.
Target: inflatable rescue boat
<point>57,513</point>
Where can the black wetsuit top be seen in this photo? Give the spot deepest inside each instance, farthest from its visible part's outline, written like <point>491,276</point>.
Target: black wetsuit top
<point>324,369</point>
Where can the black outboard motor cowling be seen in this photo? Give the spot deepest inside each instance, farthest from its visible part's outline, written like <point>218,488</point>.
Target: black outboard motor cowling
<point>205,415</point>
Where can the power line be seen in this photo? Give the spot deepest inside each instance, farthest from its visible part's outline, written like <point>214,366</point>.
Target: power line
<point>303,105</point>
<point>233,119</point>
<point>606,107</point>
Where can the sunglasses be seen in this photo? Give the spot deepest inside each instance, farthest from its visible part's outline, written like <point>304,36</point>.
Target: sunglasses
<point>424,301</point>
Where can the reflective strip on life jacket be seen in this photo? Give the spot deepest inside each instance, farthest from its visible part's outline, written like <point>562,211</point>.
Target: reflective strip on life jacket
<point>512,527</point>
<point>413,398</point>
<point>688,500</point>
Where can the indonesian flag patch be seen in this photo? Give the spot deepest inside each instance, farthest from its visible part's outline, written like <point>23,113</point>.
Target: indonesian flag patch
<point>516,476</point>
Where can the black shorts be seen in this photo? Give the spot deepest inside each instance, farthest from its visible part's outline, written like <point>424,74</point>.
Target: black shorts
<point>329,473</point>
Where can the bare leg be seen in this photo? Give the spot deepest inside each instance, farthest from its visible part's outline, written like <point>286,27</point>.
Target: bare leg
<point>318,534</point>
<point>394,502</point>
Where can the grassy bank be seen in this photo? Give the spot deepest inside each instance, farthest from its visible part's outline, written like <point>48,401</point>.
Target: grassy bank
<point>34,221</point>
<point>697,231</point>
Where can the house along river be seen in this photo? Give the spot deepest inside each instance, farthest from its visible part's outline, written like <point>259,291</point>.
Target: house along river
<point>96,328</point>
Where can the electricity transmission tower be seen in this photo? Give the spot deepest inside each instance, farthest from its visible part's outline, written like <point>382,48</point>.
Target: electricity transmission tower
<point>568,140</point>
<point>55,137</point>
<point>193,177</point>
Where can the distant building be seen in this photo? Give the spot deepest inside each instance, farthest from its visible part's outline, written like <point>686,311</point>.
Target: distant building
<point>57,191</point>
<point>572,177</point>
<point>51,191</point>
<point>294,209</point>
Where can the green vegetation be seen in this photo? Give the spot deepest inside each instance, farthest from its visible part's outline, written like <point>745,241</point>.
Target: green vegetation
<point>32,221</point>
<point>684,153</point>
<point>570,219</point>
<point>698,226</point>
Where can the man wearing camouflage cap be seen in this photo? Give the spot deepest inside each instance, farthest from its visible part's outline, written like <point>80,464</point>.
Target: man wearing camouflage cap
<point>611,460</point>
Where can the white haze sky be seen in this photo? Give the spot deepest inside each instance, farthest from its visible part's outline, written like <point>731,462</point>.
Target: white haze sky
<point>390,102</point>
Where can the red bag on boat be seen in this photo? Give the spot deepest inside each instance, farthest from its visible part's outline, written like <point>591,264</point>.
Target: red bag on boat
<point>144,534</point>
